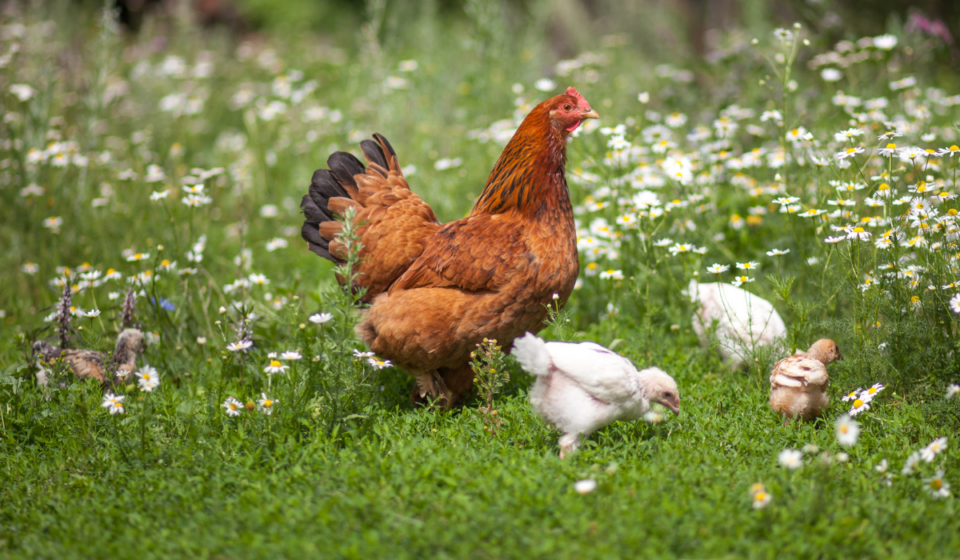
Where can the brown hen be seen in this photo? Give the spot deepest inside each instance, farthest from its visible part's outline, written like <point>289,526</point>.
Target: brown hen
<point>436,290</point>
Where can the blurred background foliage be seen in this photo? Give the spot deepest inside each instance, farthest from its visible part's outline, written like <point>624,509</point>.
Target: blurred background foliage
<point>689,27</point>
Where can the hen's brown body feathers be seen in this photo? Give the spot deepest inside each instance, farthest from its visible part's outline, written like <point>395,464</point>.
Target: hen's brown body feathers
<point>437,290</point>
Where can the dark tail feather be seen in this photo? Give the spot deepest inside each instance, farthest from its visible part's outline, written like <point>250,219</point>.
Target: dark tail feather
<point>338,182</point>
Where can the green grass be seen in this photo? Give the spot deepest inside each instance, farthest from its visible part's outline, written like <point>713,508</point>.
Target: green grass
<point>346,466</point>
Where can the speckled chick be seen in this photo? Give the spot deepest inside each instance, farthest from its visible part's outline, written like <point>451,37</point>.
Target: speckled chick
<point>798,384</point>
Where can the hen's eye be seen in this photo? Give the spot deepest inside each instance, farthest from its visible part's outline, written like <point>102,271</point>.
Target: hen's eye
<point>567,107</point>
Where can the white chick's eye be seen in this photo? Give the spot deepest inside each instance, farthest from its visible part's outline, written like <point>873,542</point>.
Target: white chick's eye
<point>668,395</point>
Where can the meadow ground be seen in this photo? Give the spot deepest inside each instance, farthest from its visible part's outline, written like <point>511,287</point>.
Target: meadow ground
<point>155,181</point>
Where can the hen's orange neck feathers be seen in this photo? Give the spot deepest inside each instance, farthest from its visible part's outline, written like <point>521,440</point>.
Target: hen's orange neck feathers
<point>530,171</point>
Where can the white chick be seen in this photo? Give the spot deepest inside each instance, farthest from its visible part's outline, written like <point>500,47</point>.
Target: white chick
<point>798,384</point>
<point>580,388</point>
<point>744,320</point>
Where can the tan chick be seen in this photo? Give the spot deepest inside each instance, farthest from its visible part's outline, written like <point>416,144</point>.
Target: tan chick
<point>798,384</point>
<point>93,364</point>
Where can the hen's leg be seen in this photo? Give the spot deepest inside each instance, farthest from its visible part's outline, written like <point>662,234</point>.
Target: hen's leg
<point>430,386</point>
<point>458,382</point>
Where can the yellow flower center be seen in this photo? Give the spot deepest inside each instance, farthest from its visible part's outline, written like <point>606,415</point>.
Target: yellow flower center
<point>873,390</point>
<point>138,256</point>
<point>914,299</point>
<point>275,363</point>
<point>858,403</point>
<point>761,496</point>
<point>936,484</point>
<point>267,403</point>
<point>954,148</point>
<point>883,187</point>
<point>844,429</point>
<point>851,150</point>
<point>858,230</point>
<point>164,262</point>
<point>891,146</point>
<point>110,271</point>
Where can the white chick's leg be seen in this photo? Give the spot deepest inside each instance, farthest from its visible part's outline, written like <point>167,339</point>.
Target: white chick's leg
<point>569,444</point>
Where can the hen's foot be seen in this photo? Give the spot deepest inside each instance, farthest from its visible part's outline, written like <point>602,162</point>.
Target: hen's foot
<point>430,387</point>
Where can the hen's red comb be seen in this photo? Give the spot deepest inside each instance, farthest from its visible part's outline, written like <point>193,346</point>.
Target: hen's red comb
<point>572,91</point>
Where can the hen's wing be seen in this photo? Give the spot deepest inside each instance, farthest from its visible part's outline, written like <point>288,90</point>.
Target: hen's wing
<point>392,221</point>
<point>603,374</point>
<point>798,372</point>
<point>477,253</point>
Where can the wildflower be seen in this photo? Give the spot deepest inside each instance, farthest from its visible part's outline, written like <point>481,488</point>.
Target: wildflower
<point>859,405</point>
<point>852,396</point>
<point>377,363</point>
<point>849,153</point>
<point>201,340</point>
<point>53,223</point>
<point>138,257</point>
<point>718,268</point>
<point>882,467</point>
<point>662,242</point>
<point>585,486</point>
<point>740,280</point>
<point>276,243</point>
<point>954,303</point>
<point>361,355</point>
<point>831,74</point>
<point>266,405</point>
<point>857,234</point>
<point>92,313</point>
<point>873,390</point>
<point>952,390</point>
<point>612,274</point>
<point>911,463</point>
<point>679,248</point>
<point>545,84</point>
<point>937,486</point>
<point>259,279</point>
<point>885,42</point>
<point>113,403</point>
<point>811,213</point>
<point>951,151</point>
<point>159,195</point>
<point>797,134</point>
<point>23,92</point>
<point>889,150</point>
<point>833,240</point>
<point>777,252</point>
<point>748,265</point>
<point>653,417</point>
<point>936,446</point>
<point>320,318</point>
<point>791,458</point>
<point>239,345</point>
<point>761,498</point>
<point>848,431</point>
<point>233,406</point>
<point>148,379</point>
<point>276,366</point>
<point>848,134</point>
<point>810,449</point>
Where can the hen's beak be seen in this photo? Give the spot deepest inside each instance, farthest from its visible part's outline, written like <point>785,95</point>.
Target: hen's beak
<point>591,114</point>
<point>674,407</point>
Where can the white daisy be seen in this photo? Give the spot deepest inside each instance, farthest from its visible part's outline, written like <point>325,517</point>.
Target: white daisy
<point>848,430</point>
<point>233,406</point>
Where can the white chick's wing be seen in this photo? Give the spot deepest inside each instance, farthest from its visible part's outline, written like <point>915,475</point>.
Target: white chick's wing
<point>798,371</point>
<point>603,374</point>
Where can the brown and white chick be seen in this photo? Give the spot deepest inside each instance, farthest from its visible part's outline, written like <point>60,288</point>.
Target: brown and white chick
<point>798,384</point>
<point>93,364</point>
